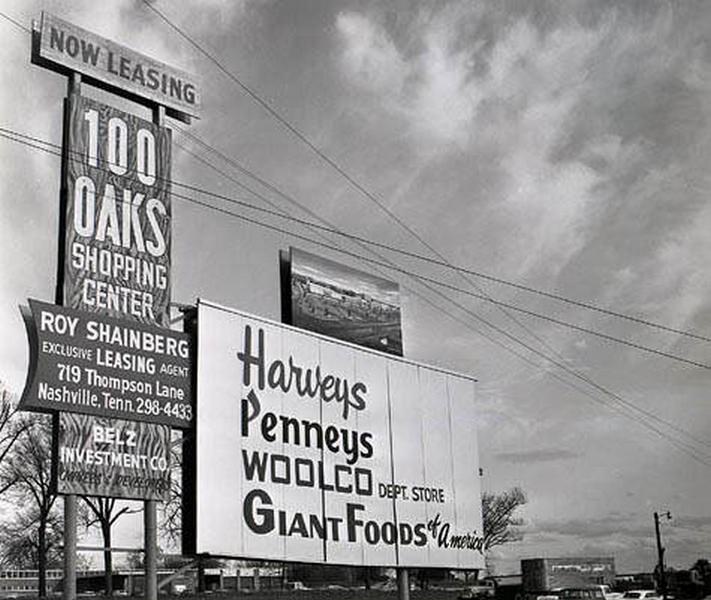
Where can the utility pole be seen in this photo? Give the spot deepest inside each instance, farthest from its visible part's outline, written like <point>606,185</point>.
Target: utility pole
<point>660,553</point>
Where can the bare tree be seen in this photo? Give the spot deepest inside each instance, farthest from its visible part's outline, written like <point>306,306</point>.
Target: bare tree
<point>172,509</point>
<point>500,524</point>
<point>11,428</point>
<point>20,544</point>
<point>26,473</point>
<point>103,513</point>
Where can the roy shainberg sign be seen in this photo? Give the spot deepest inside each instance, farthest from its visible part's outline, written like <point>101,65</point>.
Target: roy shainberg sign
<point>96,365</point>
<point>314,450</point>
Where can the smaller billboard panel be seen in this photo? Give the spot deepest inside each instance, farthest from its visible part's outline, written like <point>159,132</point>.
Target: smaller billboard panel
<point>91,364</point>
<point>99,456</point>
<point>335,300</point>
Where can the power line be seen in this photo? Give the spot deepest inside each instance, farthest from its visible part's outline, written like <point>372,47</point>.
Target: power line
<point>439,263</point>
<point>14,22</point>
<point>340,170</point>
<point>454,288</point>
<point>461,290</point>
<point>624,405</point>
<point>351,180</point>
<point>437,282</point>
<point>575,374</point>
<point>527,346</point>
<point>615,397</point>
<point>359,239</point>
<point>291,200</point>
<point>581,376</point>
<point>500,330</point>
<point>343,173</point>
<point>680,445</point>
<point>482,295</point>
<point>28,31</point>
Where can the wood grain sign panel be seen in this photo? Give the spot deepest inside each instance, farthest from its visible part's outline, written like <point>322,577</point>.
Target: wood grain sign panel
<point>99,456</point>
<point>75,49</point>
<point>317,450</point>
<point>118,213</point>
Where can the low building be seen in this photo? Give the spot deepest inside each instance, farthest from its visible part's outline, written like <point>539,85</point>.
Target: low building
<point>547,574</point>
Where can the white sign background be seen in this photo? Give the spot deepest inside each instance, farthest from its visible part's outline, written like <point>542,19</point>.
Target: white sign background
<point>326,503</point>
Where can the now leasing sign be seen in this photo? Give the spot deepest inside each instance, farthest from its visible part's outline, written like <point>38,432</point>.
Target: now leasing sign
<point>315,450</point>
<point>70,48</point>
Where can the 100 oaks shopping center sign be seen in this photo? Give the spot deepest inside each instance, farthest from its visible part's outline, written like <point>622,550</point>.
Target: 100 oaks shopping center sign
<point>314,450</point>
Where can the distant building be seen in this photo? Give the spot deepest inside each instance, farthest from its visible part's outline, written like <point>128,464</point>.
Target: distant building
<point>546,574</point>
<point>25,582</point>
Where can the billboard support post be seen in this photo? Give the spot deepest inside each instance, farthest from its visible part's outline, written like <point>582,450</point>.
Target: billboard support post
<point>151,539</point>
<point>403,584</point>
<point>150,507</point>
<point>70,501</point>
<point>70,547</point>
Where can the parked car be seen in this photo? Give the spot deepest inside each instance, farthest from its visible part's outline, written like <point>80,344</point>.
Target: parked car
<point>605,589</point>
<point>482,591</point>
<point>641,595</point>
<point>295,585</point>
<point>580,593</point>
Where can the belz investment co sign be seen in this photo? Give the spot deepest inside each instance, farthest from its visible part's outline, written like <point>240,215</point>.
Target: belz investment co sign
<point>315,450</point>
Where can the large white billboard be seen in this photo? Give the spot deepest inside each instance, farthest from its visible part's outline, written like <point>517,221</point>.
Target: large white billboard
<point>311,449</point>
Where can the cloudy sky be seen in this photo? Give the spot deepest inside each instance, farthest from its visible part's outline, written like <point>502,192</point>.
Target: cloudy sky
<point>561,146</point>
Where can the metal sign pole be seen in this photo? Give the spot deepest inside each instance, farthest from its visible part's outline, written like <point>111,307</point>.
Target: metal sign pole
<point>70,501</point>
<point>150,532</point>
<point>70,547</point>
<point>403,584</point>
<point>150,507</point>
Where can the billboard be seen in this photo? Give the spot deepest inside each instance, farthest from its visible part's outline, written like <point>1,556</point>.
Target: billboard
<point>100,456</point>
<point>315,450</point>
<point>91,364</point>
<point>336,300</point>
<point>65,47</point>
<point>118,213</point>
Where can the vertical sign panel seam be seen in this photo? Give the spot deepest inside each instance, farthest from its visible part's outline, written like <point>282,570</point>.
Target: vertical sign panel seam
<point>392,464</point>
